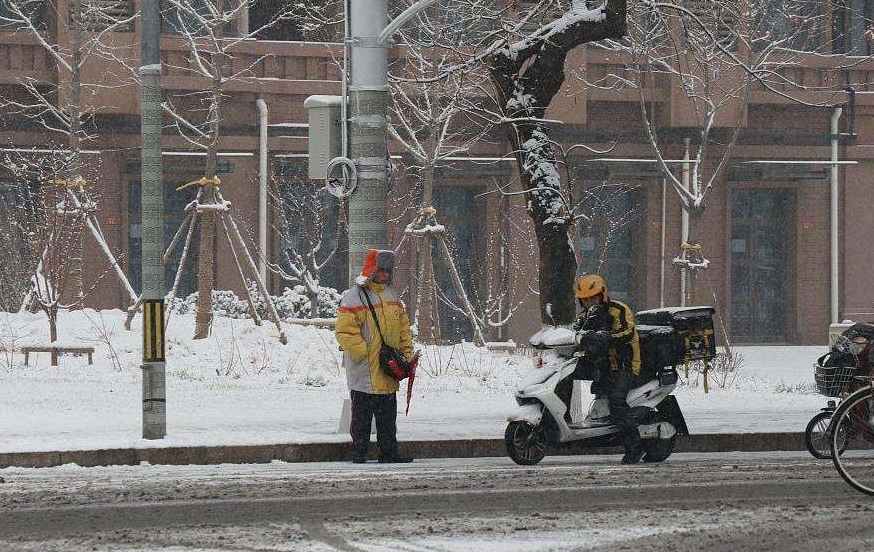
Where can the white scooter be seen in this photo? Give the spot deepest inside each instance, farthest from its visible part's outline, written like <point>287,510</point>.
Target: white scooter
<point>539,422</point>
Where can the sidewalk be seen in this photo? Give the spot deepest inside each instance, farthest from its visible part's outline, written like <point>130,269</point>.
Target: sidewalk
<point>241,388</point>
<point>337,452</point>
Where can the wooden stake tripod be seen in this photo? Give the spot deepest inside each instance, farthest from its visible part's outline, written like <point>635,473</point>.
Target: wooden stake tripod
<point>242,257</point>
<point>85,208</point>
<point>425,226</point>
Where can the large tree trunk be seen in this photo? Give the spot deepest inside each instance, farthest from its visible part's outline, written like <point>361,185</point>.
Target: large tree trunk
<point>552,227</point>
<point>527,77</point>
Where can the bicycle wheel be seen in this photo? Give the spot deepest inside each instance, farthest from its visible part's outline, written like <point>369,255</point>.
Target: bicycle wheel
<point>852,440</point>
<point>816,436</point>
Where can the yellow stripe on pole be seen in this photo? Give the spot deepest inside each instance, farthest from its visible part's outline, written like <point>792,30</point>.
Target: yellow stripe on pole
<point>153,330</point>
<point>148,353</point>
<point>159,330</point>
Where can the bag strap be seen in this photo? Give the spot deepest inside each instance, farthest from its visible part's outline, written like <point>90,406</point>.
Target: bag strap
<point>373,312</point>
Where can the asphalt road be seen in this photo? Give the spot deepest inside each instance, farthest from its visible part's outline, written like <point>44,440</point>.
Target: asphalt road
<point>769,502</point>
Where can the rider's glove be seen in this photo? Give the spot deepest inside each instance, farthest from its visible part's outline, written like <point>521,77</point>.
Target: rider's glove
<point>583,337</point>
<point>602,338</point>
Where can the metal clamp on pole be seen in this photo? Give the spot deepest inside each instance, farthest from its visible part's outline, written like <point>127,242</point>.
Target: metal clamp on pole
<point>349,180</point>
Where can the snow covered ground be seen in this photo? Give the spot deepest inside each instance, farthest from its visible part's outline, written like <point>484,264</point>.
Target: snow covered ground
<point>241,386</point>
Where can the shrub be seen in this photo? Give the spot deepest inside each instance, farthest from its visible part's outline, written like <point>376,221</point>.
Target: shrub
<point>293,303</point>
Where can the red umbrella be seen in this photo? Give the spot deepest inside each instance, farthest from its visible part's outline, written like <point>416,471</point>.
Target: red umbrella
<point>414,362</point>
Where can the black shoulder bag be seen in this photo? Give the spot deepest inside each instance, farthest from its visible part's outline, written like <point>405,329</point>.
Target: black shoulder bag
<point>392,362</point>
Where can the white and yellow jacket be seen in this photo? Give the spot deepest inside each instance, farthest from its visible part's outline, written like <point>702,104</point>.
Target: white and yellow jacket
<point>358,337</point>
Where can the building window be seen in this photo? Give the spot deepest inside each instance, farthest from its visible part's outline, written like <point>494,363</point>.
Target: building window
<point>310,224</point>
<point>721,20</point>
<point>760,261</point>
<point>174,213</point>
<point>31,10</point>
<point>798,25</point>
<point>610,238</point>
<point>457,210</point>
<point>262,14</point>
<point>195,19</point>
<point>851,21</point>
<point>99,15</point>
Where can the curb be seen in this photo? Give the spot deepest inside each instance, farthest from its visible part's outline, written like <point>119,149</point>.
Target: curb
<point>338,452</point>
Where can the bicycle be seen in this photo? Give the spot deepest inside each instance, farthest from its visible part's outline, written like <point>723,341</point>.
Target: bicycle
<point>831,381</point>
<point>834,378</point>
<point>852,437</point>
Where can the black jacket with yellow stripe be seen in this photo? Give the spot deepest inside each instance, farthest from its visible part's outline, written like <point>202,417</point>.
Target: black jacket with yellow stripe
<point>624,349</point>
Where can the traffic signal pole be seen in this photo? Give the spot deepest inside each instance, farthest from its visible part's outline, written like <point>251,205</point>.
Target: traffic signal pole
<point>152,189</point>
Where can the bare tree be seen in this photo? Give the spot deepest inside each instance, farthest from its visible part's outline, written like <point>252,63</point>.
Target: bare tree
<point>500,281</point>
<point>212,30</point>
<point>717,52</point>
<point>525,57</point>
<point>522,47</point>
<point>61,203</point>
<point>431,120</point>
<point>605,215</point>
<point>51,227</point>
<point>309,234</point>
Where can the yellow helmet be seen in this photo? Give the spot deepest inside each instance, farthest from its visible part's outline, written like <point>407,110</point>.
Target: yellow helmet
<point>589,286</point>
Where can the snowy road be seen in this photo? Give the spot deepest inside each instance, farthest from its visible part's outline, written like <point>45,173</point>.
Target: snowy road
<point>777,501</point>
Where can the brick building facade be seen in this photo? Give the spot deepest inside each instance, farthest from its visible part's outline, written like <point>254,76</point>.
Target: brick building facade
<point>765,229</point>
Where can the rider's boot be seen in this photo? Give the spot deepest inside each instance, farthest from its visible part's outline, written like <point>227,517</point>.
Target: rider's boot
<point>634,450</point>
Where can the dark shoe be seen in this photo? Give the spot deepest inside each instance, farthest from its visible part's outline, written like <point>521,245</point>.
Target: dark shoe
<point>396,459</point>
<point>634,454</point>
<point>359,460</point>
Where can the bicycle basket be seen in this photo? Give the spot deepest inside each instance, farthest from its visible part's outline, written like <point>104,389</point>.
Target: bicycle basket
<point>833,381</point>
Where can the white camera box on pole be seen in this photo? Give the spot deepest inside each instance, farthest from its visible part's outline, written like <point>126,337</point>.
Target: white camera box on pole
<point>325,139</point>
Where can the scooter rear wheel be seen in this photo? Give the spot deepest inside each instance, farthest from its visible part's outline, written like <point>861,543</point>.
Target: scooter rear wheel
<point>658,450</point>
<point>525,443</point>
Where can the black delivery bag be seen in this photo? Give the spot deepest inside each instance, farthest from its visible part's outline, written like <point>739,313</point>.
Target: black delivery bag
<point>692,337</point>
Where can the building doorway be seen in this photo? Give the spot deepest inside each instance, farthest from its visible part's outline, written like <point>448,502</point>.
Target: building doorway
<point>761,253</point>
<point>459,211</point>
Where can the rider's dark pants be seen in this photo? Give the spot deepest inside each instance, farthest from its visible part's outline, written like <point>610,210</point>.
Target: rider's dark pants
<point>616,385</point>
<point>586,369</point>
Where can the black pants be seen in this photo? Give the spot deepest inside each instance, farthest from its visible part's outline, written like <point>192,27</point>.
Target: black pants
<point>364,407</point>
<point>616,386</point>
<point>588,368</point>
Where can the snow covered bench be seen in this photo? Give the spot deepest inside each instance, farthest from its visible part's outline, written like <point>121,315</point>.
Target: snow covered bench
<point>56,351</point>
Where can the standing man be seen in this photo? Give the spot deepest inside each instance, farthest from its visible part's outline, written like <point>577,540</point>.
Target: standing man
<point>606,328</point>
<point>373,392</point>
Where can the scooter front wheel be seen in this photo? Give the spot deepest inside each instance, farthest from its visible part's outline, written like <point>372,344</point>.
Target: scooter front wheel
<point>526,444</point>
